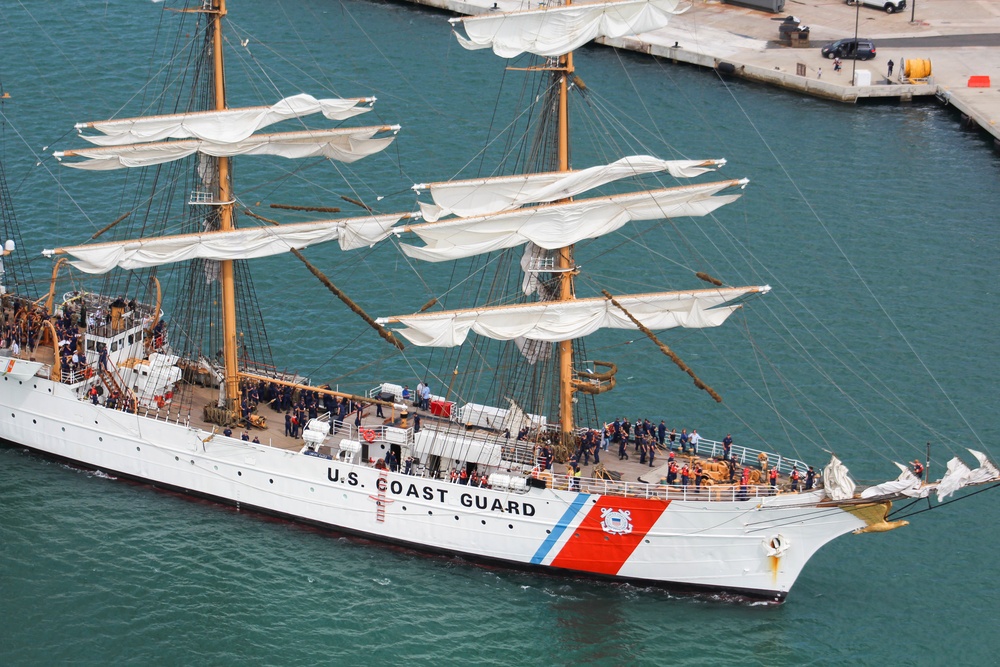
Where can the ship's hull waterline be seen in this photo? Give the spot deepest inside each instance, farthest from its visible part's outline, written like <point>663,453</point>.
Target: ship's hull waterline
<point>754,548</point>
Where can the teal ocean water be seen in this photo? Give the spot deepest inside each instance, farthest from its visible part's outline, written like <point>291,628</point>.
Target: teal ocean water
<point>876,225</point>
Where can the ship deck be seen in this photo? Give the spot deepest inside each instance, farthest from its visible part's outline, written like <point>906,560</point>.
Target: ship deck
<point>608,475</point>
<point>624,473</point>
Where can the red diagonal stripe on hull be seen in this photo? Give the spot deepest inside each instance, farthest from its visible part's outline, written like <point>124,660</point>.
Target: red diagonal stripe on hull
<point>592,549</point>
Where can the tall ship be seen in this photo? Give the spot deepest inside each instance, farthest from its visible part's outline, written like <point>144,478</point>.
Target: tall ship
<point>155,365</point>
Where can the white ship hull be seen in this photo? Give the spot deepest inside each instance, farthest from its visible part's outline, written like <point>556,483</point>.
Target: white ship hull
<point>755,547</point>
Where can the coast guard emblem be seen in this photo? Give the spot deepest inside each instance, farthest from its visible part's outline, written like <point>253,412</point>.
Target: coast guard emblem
<point>616,522</point>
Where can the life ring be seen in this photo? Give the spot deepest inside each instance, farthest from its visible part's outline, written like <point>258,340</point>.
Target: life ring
<point>160,402</point>
<point>10,366</point>
<point>88,372</point>
<point>367,434</point>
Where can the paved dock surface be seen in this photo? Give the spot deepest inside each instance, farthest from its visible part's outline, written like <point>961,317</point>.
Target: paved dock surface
<point>961,38</point>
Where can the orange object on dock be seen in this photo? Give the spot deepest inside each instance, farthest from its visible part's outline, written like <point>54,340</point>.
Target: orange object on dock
<point>979,82</point>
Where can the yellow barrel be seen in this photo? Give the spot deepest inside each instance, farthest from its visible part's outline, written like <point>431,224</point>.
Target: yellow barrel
<point>917,68</point>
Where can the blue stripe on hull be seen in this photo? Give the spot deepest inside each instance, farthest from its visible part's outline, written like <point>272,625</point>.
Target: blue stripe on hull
<point>559,528</point>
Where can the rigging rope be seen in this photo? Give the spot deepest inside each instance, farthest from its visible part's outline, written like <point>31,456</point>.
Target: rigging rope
<point>663,348</point>
<point>382,331</point>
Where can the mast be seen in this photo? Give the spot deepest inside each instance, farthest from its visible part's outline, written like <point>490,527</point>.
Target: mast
<point>565,263</point>
<point>229,349</point>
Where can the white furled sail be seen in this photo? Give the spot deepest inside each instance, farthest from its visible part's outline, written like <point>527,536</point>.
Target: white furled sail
<point>344,145</point>
<point>352,233</point>
<point>906,484</point>
<point>837,482</point>
<point>492,195</point>
<point>557,225</point>
<point>554,321</point>
<point>960,475</point>
<point>953,480</point>
<point>556,31</point>
<point>219,126</point>
<point>986,472</point>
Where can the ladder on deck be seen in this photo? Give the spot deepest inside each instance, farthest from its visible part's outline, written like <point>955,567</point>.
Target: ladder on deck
<point>381,501</point>
<point>113,381</point>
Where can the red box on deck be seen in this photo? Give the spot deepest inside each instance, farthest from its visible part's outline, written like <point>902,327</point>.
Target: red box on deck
<point>441,408</point>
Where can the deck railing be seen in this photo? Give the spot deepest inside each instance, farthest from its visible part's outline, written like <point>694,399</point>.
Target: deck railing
<point>714,492</point>
<point>748,456</point>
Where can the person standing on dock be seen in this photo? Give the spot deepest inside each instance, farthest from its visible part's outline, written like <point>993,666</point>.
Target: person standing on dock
<point>890,64</point>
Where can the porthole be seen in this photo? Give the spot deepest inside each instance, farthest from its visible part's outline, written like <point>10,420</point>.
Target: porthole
<point>270,481</point>
<point>215,467</point>
<point>312,490</point>
<point>483,522</point>
<point>34,421</point>
<point>100,439</point>
<point>239,473</point>
<point>177,458</point>
<point>63,428</point>
<point>138,449</point>
<point>456,517</point>
<point>429,512</point>
<point>547,531</point>
<point>511,526</point>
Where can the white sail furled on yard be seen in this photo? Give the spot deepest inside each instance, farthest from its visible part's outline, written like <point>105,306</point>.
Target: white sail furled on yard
<point>492,195</point>
<point>556,31</point>
<point>907,484</point>
<point>352,233</point>
<point>554,226</point>
<point>554,321</point>
<point>960,475</point>
<point>986,472</point>
<point>224,126</point>
<point>342,144</point>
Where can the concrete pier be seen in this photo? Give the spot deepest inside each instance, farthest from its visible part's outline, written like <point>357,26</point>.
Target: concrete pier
<point>961,38</point>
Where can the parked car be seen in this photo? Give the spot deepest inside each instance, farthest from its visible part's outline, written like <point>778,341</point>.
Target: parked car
<point>862,49</point>
<point>889,6</point>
